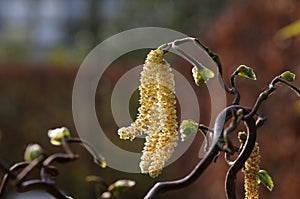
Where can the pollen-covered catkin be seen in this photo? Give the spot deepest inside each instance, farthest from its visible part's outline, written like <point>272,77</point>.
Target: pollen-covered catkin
<point>250,174</point>
<point>157,114</point>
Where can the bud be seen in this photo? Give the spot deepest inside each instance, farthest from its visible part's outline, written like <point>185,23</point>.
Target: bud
<point>288,76</point>
<point>265,178</point>
<point>242,137</point>
<point>245,71</point>
<point>202,76</point>
<point>188,128</point>
<point>32,152</point>
<point>56,135</point>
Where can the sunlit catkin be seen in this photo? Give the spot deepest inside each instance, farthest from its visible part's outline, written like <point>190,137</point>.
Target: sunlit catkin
<point>250,173</point>
<point>157,114</point>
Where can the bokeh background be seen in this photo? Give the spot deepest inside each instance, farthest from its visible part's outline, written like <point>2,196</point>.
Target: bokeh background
<point>42,44</point>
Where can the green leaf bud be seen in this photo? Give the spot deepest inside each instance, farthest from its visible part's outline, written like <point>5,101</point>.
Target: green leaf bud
<point>57,134</point>
<point>33,151</point>
<point>265,178</point>
<point>202,76</point>
<point>288,76</point>
<point>245,71</point>
<point>188,128</point>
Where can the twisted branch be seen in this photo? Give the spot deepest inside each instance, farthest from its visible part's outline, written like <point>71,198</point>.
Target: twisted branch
<point>211,154</point>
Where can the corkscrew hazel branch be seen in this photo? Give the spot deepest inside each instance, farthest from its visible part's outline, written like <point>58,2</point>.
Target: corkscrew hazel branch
<point>206,132</point>
<point>24,186</point>
<point>176,46</point>
<point>237,116</point>
<point>49,187</point>
<point>245,153</point>
<point>241,159</point>
<point>10,172</point>
<point>265,94</point>
<point>37,160</point>
<point>205,129</point>
<point>221,135</point>
<point>259,122</point>
<point>98,158</point>
<point>6,169</point>
<point>210,156</point>
<point>27,169</point>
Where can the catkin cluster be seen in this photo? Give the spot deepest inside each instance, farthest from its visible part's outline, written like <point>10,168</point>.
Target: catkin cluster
<point>250,173</point>
<point>157,114</point>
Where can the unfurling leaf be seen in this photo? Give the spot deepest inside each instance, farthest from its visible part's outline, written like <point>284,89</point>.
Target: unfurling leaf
<point>33,151</point>
<point>288,76</point>
<point>188,128</point>
<point>201,76</point>
<point>265,178</point>
<point>245,71</point>
<point>56,135</point>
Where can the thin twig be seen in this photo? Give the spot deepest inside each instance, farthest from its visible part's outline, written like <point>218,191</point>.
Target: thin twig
<point>58,157</point>
<point>241,159</point>
<point>49,187</point>
<point>11,173</point>
<point>265,94</point>
<point>98,158</point>
<point>6,168</point>
<point>237,117</point>
<point>27,169</point>
<point>234,89</point>
<point>205,129</point>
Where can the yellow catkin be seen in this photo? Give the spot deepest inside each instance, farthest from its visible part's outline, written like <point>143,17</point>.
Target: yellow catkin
<point>157,114</point>
<point>250,174</point>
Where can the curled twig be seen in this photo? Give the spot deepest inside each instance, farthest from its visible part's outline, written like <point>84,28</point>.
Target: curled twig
<point>98,158</point>
<point>241,159</point>
<point>49,187</point>
<point>265,94</point>
<point>208,158</point>
<point>11,173</point>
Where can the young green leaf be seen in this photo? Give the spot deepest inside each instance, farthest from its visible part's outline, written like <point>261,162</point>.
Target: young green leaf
<point>33,151</point>
<point>245,71</point>
<point>188,128</point>
<point>57,134</point>
<point>202,76</point>
<point>288,76</point>
<point>265,178</point>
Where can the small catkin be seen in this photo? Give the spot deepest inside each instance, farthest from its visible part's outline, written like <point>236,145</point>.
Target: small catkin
<point>250,174</point>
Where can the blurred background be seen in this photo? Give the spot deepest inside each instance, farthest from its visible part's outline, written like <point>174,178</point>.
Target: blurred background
<point>42,44</point>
